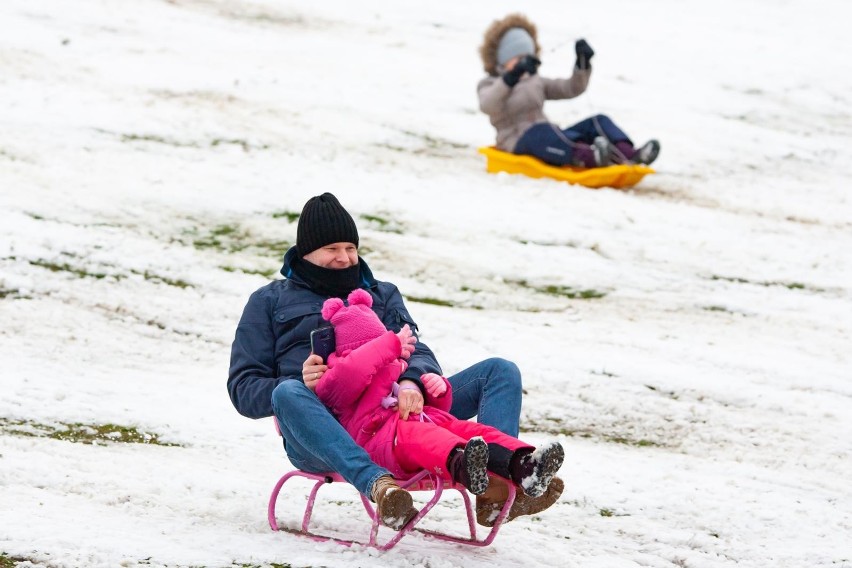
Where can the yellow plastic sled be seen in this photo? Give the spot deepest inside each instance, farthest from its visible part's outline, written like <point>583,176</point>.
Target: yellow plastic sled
<point>620,176</point>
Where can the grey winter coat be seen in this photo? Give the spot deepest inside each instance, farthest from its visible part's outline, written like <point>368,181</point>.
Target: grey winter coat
<point>512,110</point>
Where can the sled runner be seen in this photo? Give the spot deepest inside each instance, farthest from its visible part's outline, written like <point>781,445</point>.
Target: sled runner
<point>620,176</point>
<point>423,481</point>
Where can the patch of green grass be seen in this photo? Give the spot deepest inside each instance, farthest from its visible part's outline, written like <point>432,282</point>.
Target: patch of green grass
<point>265,273</point>
<point>569,292</point>
<point>289,215</point>
<point>604,373</point>
<point>230,239</point>
<point>12,294</point>
<point>562,291</point>
<point>78,272</point>
<point>8,155</point>
<point>641,443</point>
<point>375,219</point>
<point>157,139</point>
<point>383,224</point>
<point>768,283</point>
<point>671,394</point>
<point>222,237</point>
<point>151,277</point>
<point>432,301</point>
<point>244,144</point>
<point>606,512</point>
<point>81,433</point>
<point>551,426</point>
<point>83,273</point>
<point>266,18</point>
<point>716,309</point>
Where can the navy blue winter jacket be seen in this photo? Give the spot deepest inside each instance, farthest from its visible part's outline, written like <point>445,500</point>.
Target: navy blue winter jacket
<point>273,337</point>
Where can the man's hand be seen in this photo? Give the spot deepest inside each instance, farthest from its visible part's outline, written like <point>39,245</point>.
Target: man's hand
<point>312,370</point>
<point>410,399</point>
<point>407,339</point>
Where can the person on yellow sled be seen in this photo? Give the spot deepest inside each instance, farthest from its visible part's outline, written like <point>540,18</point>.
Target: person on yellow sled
<point>513,96</point>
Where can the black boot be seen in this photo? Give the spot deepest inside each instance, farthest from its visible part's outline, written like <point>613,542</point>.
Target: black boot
<point>469,466</point>
<point>533,470</point>
<point>500,460</point>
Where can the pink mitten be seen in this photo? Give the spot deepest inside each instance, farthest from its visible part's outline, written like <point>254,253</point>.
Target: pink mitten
<point>407,339</point>
<point>434,384</point>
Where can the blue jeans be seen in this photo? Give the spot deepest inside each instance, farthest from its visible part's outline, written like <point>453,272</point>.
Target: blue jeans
<point>553,146</point>
<point>315,441</point>
<point>491,391</point>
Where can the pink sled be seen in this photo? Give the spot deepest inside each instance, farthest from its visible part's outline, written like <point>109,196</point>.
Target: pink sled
<point>423,481</point>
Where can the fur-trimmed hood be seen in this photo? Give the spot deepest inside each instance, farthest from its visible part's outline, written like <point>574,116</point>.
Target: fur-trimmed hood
<point>488,49</point>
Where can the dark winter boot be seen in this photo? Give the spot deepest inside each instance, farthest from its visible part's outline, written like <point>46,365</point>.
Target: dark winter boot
<point>500,460</point>
<point>532,471</point>
<point>647,153</point>
<point>468,466</point>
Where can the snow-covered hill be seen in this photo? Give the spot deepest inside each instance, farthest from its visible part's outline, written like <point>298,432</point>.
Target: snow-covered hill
<point>154,153</point>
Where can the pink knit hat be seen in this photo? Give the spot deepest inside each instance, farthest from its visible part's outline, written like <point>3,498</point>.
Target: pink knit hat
<point>353,326</point>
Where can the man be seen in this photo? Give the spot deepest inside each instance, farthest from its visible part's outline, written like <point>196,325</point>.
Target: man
<point>273,371</point>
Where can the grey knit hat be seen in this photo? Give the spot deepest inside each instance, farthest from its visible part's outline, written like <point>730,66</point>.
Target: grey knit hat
<point>516,41</point>
<point>324,221</point>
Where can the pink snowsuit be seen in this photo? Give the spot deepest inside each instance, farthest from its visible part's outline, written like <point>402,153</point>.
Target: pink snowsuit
<point>357,381</point>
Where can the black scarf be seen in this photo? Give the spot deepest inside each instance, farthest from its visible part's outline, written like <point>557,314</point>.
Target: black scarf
<point>333,282</point>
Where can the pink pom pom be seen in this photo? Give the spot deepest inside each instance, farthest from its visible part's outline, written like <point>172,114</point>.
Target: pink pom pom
<point>360,296</point>
<point>330,307</point>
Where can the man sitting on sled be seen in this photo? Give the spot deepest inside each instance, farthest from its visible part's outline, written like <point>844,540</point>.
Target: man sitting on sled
<point>274,373</point>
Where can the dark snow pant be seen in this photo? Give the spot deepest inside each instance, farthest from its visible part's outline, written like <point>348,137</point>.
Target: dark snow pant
<point>570,146</point>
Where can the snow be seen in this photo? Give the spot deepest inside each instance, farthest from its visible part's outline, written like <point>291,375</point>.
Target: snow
<point>151,150</point>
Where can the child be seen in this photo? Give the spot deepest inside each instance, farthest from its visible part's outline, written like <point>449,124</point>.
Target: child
<point>513,96</point>
<point>360,386</point>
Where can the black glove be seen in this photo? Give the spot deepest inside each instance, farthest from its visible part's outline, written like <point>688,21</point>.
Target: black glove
<point>526,64</point>
<point>584,54</point>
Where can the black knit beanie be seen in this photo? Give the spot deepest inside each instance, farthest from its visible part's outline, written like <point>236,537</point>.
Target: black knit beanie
<point>324,221</point>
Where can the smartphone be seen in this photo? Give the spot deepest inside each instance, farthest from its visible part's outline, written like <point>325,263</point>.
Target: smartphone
<point>322,342</point>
